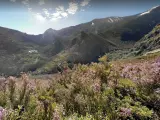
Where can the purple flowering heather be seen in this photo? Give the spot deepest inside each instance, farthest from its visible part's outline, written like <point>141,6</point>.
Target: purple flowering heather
<point>125,112</point>
<point>142,72</point>
<point>96,87</point>
<point>1,113</point>
<point>56,116</point>
<point>158,60</point>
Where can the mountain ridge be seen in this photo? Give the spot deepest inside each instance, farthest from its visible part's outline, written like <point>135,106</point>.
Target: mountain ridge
<point>82,43</point>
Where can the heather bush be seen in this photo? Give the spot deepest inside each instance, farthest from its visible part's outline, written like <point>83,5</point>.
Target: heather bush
<point>147,77</point>
<point>85,92</point>
<point>147,72</point>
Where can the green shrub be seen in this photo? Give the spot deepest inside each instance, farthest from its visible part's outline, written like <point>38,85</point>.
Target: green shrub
<point>87,92</point>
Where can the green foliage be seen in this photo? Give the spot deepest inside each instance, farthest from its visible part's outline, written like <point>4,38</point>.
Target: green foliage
<point>126,83</point>
<point>87,92</point>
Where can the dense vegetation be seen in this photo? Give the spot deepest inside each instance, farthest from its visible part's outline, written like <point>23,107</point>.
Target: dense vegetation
<point>148,43</point>
<point>124,89</point>
<point>87,92</point>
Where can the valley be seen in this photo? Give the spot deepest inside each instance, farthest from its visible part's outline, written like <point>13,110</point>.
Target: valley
<point>71,44</point>
<point>105,69</point>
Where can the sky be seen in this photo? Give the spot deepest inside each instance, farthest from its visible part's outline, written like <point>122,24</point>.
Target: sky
<point>36,16</point>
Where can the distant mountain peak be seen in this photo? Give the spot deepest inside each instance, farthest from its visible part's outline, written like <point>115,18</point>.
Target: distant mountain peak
<point>147,12</point>
<point>50,35</point>
<point>50,30</point>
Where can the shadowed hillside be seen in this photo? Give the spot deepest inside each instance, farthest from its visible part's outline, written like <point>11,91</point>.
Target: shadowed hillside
<point>149,42</point>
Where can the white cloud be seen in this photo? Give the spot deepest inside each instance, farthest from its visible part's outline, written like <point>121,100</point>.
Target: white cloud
<point>64,14</point>
<point>85,2</point>
<point>38,26</point>
<point>13,0</point>
<point>60,13</point>
<point>48,15</point>
<point>41,2</point>
<point>73,7</point>
<point>55,18</point>
<point>46,12</point>
<point>54,14</point>
<point>60,10</point>
<point>40,18</point>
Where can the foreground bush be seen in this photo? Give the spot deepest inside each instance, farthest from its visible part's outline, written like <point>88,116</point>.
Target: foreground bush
<point>87,92</point>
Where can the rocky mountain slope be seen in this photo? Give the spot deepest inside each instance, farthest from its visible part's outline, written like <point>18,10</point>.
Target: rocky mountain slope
<point>150,42</point>
<point>82,43</point>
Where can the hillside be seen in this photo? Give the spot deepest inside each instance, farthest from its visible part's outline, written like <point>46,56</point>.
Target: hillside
<point>85,48</point>
<point>149,42</point>
<point>127,28</point>
<point>82,43</point>
<point>20,52</point>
